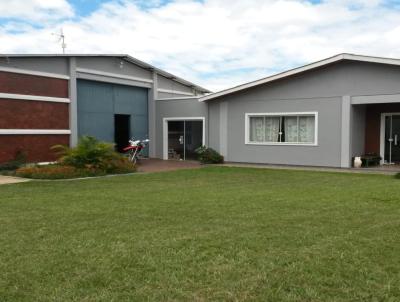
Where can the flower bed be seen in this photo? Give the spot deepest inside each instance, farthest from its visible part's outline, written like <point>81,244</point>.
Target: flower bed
<point>89,158</point>
<point>57,171</point>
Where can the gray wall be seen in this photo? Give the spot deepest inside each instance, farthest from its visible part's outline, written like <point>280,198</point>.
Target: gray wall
<point>57,65</point>
<point>112,65</point>
<point>320,90</point>
<point>177,108</point>
<point>169,84</point>
<point>358,120</point>
<point>327,153</point>
<point>213,124</point>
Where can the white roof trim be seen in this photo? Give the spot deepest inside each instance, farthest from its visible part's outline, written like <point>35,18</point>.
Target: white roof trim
<point>113,75</point>
<point>26,97</point>
<point>304,68</point>
<point>178,98</point>
<point>175,92</point>
<point>34,131</point>
<point>33,72</point>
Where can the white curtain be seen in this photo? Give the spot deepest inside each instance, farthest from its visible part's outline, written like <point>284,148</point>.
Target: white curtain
<point>272,129</point>
<point>291,132</point>
<point>306,129</point>
<point>257,129</point>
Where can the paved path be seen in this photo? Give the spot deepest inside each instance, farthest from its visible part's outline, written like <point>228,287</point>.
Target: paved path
<point>387,170</point>
<point>4,180</point>
<point>159,165</point>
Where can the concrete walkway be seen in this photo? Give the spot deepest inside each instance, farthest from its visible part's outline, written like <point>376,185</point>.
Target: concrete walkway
<point>386,170</point>
<point>5,180</point>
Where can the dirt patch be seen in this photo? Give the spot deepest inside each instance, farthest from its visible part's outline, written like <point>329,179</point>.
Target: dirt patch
<point>159,165</point>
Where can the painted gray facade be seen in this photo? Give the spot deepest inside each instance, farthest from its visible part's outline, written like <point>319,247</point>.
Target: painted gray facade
<point>328,90</point>
<point>341,90</point>
<point>178,108</point>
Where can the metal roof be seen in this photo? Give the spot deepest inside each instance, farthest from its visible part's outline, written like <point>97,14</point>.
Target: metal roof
<point>125,57</point>
<point>291,72</point>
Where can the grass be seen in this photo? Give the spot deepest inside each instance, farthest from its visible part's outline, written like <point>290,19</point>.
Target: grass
<point>214,234</point>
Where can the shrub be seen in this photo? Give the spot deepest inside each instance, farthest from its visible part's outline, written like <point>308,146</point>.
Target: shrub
<point>50,172</point>
<point>89,153</point>
<point>18,161</point>
<point>58,171</point>
<point>89,158</point>
<point>209,156</point>
<point>397,176</point>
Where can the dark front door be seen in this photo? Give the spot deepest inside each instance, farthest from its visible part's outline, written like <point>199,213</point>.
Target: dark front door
<point>193,138</point>
<point>392,139</point>
<point>122,126</point>
<point>176,140</point>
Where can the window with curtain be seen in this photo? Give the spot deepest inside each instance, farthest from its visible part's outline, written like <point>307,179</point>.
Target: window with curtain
<point>291,128</point>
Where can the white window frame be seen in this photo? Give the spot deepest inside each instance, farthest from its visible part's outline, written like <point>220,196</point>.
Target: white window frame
<point>280,114</point>
<point>172,119</point>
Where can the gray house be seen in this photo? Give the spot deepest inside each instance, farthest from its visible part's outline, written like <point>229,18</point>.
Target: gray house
<point>321,114</point>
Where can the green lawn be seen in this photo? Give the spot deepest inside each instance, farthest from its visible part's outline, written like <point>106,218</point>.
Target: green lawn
<point>213,234</point>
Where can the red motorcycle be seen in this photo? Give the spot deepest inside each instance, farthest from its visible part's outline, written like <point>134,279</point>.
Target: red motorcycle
<point>135,148</point>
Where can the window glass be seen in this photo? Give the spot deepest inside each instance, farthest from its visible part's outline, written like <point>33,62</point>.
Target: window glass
<point>272,129</point>
<point>282,129</point>
<point>291,131</point>
<point>306,129</point>
<point>257,131</point>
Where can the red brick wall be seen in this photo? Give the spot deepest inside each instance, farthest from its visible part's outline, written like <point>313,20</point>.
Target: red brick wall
<point>36,147</point>
<point>32,85</point>
<point>18,114</point>
<point>26,114</point>
<point>373,125</point>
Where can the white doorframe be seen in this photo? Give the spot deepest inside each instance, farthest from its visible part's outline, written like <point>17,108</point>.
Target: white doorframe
<point>165,130</point>
<point>383,132</point>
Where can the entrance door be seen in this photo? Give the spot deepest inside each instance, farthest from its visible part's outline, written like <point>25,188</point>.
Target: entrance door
<point>176,140</point>
<point>184,137</point>
<point>392,139</point>
<point>122,127</point>
<point>193,138</point>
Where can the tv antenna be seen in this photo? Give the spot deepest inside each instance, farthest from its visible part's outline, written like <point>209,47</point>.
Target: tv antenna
<point>61,38</point>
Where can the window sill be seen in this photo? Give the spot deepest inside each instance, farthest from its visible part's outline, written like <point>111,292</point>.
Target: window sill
<point>282,144</point>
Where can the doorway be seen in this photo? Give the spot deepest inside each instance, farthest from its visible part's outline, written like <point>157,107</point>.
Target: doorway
<point>182,137</point>
<point>122,131</point>
<point>391,125</point>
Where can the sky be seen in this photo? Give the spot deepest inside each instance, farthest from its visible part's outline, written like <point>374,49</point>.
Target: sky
<point>214,43</point>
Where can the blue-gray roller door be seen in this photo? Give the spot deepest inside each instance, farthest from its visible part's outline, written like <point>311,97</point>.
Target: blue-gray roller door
<point>98,102</point>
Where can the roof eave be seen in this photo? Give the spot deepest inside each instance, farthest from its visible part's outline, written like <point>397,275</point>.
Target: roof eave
<point>298,70</point>
<point>121,56</point>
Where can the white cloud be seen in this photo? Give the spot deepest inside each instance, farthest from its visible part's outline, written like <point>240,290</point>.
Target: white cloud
<point>209,42</point>
<point>35,10</point>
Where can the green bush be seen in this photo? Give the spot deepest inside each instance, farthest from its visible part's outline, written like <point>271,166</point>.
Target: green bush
<point>89,153</point>
<point>397,176</point>
<point>209,156</point>
<point>18,161</point>
<point>89,158</point>
<point>58,171</point>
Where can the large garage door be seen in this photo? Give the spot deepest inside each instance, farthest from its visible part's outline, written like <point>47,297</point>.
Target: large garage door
<point>99,103</point>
